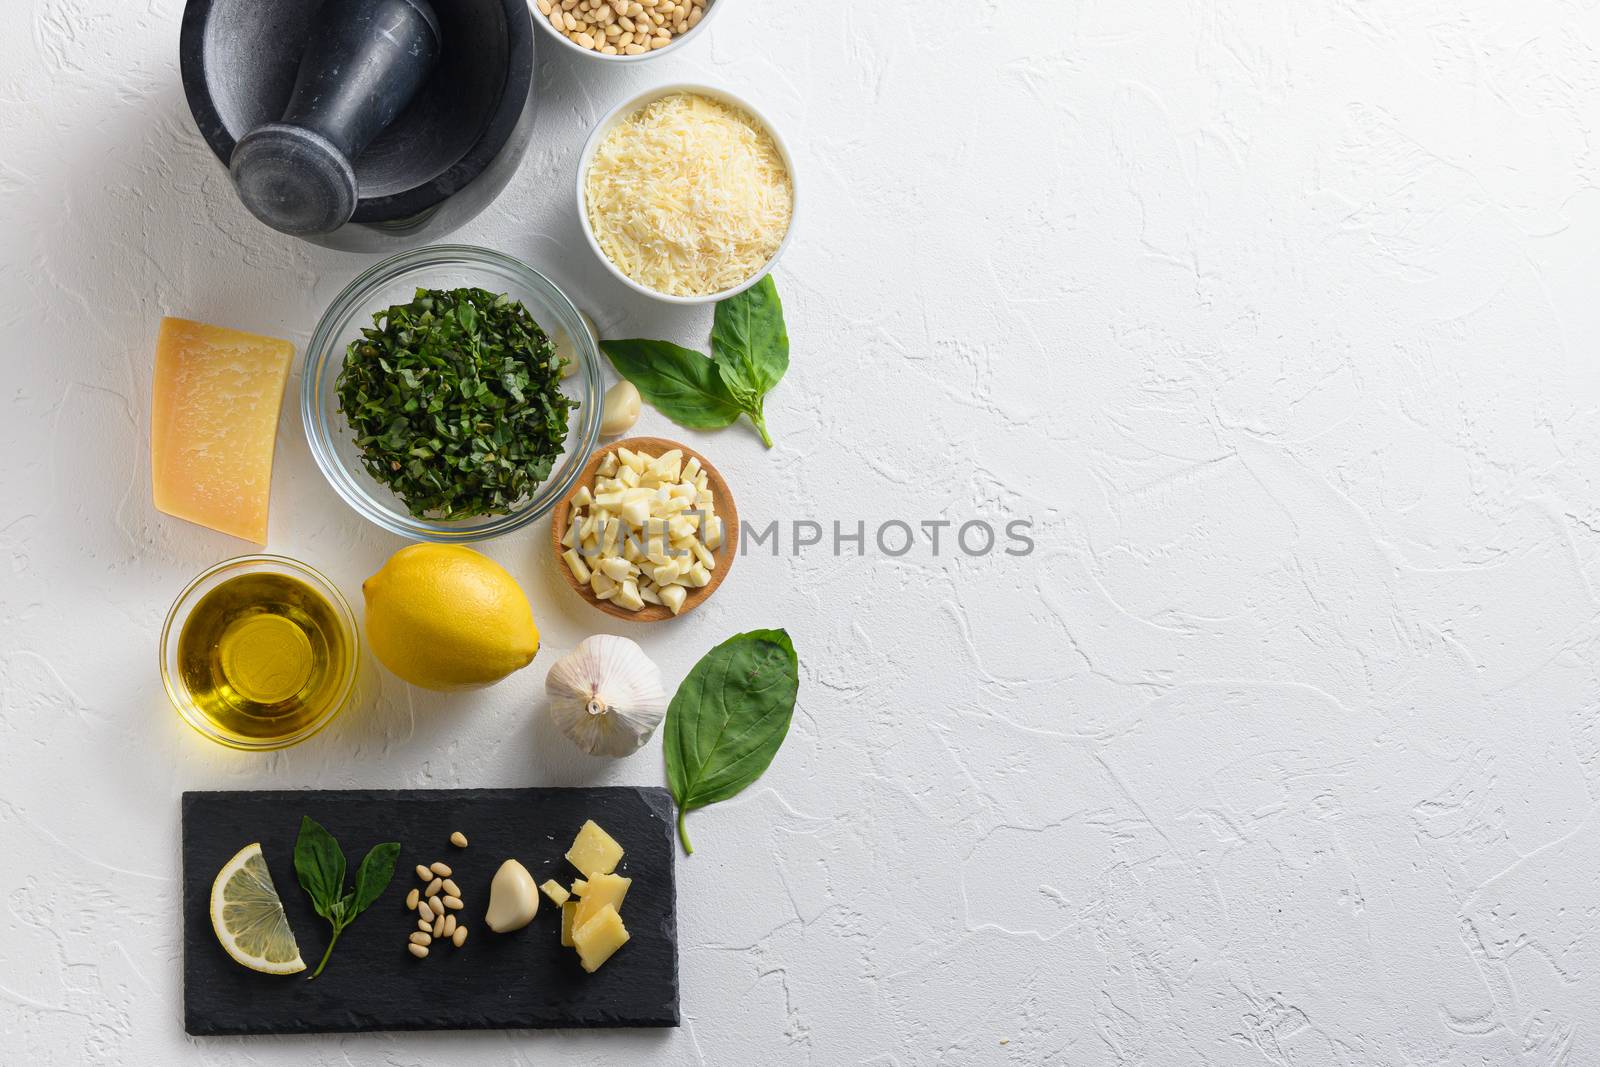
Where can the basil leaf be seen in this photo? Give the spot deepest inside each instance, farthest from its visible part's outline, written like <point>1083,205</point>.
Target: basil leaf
<point>680,383</point>
<point>319,865</point>
<point>373,876</point>
<point>728,718</point>
<point>749,342</point>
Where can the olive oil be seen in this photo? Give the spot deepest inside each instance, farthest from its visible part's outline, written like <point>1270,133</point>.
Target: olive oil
<point>263,656</point>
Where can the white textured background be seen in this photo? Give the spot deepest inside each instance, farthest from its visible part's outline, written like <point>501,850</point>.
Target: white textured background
<point>1284,748</point>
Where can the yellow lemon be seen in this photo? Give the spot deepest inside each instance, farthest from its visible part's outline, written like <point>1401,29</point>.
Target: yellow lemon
<point>446,617</point>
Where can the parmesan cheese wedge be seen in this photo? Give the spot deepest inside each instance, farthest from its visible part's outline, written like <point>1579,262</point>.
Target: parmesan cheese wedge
<point>213,424</point>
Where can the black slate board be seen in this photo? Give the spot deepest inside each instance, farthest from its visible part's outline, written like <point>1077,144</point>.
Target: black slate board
<point>522,979</point>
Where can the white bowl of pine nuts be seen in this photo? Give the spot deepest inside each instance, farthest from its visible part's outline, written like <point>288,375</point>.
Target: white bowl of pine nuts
<point>623,30</point>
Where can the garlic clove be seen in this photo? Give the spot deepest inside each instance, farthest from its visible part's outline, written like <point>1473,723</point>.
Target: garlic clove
<point>620,409</point>
<point>606,695</point>
<point>513,898</point>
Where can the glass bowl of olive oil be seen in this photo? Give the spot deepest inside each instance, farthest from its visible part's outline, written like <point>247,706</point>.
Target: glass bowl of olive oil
<point>259,652</point>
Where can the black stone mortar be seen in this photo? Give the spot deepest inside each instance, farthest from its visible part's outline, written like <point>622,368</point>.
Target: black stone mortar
<point>450,149</point>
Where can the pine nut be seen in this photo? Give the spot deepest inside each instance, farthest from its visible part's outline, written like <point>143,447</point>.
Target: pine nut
<point>609,50</point>
<point>425,912</point>
<point>544,8</point>
<point>458,839</point>
<point>460,937</point>
<point>585,40</point>
<point>635,49</point>
<point>438,927</point>
<point>425,925</point>
<point>441,869</point>
<point>450,888</point>
<point>434,887</point>
<point>420,938</point>
<point>419,951</point>
<point>449,925</point>
<point>436,905</point>
<point>424,874</point>
<point>453,903</point>
<point>694,16</point>
<point>411,900</point>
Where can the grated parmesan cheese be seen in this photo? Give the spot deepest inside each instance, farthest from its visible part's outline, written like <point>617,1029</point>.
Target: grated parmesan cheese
<point>688,196</point>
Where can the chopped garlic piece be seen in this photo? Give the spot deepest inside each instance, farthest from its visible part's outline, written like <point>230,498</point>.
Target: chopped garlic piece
<point>628,596</point>
<point>575,563</point>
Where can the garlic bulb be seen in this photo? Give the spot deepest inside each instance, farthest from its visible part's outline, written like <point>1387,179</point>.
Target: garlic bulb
<point>607,696</point>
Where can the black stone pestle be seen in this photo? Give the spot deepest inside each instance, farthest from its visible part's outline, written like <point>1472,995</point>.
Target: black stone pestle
<point>365,61</point>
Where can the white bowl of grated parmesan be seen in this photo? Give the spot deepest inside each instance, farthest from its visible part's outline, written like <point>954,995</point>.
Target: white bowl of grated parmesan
<point>687,194</point>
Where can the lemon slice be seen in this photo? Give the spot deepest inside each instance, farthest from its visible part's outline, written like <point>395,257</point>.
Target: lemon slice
<point>248,918</point>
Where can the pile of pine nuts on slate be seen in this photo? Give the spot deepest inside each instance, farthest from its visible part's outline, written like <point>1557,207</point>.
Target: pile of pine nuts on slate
<point>622,27</point>
<point>436,904</point>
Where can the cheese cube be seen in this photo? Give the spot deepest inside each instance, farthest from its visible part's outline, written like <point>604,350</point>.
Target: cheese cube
<point>599,938</point>
<point>213,425</point>
<point>555,891</point>
<point>605,891</point>
<point>594,851</point>
<point>578,886</point>
<point>568,910</point>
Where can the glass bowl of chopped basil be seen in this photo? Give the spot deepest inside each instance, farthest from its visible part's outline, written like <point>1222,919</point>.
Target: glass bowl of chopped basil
<point>451,393</point>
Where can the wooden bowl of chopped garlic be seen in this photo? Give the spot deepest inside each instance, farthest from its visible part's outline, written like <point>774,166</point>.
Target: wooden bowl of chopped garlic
<point>650,531</point>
